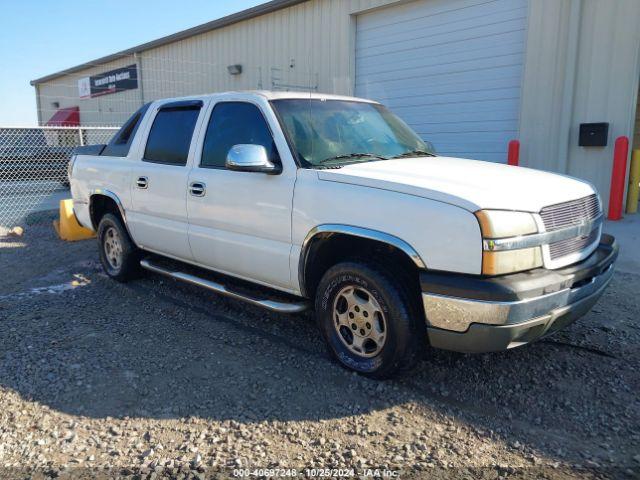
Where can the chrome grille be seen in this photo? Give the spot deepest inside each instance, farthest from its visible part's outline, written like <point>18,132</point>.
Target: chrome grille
<point>568,214</point>
<point>571,245</point>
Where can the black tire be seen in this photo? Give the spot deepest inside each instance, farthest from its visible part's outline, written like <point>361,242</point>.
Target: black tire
<point>405,337</point>
<point>129,265</point>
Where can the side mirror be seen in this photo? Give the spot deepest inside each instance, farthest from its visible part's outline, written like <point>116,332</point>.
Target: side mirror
<point>250,158</point>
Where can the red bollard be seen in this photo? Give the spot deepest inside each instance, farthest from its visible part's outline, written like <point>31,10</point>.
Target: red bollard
<point>618,176</point>
<point>513,157</point>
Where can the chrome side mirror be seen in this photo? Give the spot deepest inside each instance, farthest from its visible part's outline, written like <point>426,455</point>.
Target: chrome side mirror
<point>250,158</point>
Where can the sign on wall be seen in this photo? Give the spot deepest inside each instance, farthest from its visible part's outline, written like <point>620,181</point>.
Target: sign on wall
<point>118,80</point>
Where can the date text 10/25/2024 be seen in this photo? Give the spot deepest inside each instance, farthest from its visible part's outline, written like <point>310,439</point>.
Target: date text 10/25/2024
<point>315,473</point>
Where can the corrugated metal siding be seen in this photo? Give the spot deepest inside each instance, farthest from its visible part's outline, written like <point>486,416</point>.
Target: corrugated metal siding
<point>104,110</point>
<point>596,83</point>
<point>605,88</point>
<point>316,35</point>
<point>546,66</point>
<point>304,47</point>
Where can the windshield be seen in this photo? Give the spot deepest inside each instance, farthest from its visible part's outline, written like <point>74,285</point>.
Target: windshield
<point>337,132</point>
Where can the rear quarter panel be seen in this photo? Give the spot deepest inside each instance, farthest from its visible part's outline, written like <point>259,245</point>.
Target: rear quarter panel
<point>91,174</point>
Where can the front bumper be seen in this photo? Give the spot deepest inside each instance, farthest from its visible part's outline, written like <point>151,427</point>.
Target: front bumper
<point>486,314</point>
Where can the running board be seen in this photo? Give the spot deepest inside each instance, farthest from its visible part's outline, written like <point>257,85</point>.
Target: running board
<point>273,305</point>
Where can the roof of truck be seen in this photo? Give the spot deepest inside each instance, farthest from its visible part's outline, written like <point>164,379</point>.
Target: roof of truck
<point>271,95</point>
<point>276,95</point>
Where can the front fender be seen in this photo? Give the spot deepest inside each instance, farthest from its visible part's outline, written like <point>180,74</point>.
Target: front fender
<point>444,237</point>
<point>352,231</point>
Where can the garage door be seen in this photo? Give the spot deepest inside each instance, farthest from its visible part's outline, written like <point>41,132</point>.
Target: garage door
<point>452,69</point>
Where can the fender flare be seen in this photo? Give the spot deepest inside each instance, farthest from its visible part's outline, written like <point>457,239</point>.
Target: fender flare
<point>361,232</point>
<point>112,196</point>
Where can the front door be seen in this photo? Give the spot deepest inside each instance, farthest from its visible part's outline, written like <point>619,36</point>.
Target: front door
<point>240,222</point>
<point>158,219</point>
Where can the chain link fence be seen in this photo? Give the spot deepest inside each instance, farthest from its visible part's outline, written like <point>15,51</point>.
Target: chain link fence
<point>33,168</point>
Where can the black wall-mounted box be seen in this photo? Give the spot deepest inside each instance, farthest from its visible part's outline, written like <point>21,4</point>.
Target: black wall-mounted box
<point>593,134</point>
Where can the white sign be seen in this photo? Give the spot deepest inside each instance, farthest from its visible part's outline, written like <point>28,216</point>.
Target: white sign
<point>84,87</point>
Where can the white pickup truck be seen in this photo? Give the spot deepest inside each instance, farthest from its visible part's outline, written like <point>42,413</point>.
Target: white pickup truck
<point>298,199</point>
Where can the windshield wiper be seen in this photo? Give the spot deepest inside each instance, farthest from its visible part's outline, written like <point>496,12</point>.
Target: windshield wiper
<point>415,153</point>
<point>351,155</point>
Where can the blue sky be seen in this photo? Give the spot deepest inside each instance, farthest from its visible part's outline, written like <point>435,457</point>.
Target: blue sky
<point>39,37</point>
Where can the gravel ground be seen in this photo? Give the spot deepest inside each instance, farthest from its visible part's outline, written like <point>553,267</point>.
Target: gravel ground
<point>155,378</point>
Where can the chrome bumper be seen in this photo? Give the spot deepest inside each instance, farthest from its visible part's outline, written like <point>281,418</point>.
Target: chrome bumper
<point>483,324</point>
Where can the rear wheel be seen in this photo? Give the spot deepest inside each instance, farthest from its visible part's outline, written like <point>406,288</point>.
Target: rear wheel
<point>119,256</point>
<point>369,320</point>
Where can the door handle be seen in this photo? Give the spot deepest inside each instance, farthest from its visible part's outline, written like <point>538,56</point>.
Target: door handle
<point>197,189</point>
<point>142,182</point>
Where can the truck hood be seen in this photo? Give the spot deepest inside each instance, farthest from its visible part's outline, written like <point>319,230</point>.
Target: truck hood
<point>470,184</point>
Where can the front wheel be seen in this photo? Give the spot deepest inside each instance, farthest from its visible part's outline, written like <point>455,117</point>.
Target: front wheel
<point>369,320</point>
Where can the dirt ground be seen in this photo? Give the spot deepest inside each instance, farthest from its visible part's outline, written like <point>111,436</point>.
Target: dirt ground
<point>154,378</point>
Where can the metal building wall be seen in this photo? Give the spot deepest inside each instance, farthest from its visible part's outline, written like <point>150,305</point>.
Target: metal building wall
<point>582,66</point>
<point>104,110</point>
<point>305,47</point>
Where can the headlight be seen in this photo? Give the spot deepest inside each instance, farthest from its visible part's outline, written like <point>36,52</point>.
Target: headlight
<point>501,225</point>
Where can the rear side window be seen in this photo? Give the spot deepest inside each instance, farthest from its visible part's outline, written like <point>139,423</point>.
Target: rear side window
<point>170,135</point>
<point>120,144</point>
<point>232,123</point>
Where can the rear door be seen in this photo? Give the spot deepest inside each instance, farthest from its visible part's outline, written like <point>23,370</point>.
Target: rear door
<point>240,222</point>
<point>158,219</point>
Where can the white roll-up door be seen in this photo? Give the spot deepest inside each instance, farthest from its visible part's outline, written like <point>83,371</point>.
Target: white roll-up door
<point>452,69</point>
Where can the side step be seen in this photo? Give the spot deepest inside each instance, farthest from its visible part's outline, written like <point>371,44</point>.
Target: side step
<point>254,298</point>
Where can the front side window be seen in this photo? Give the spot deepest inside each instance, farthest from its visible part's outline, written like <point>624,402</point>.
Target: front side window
<point>234,123</point>
<point>337,132</point>
<point>170,135</point>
